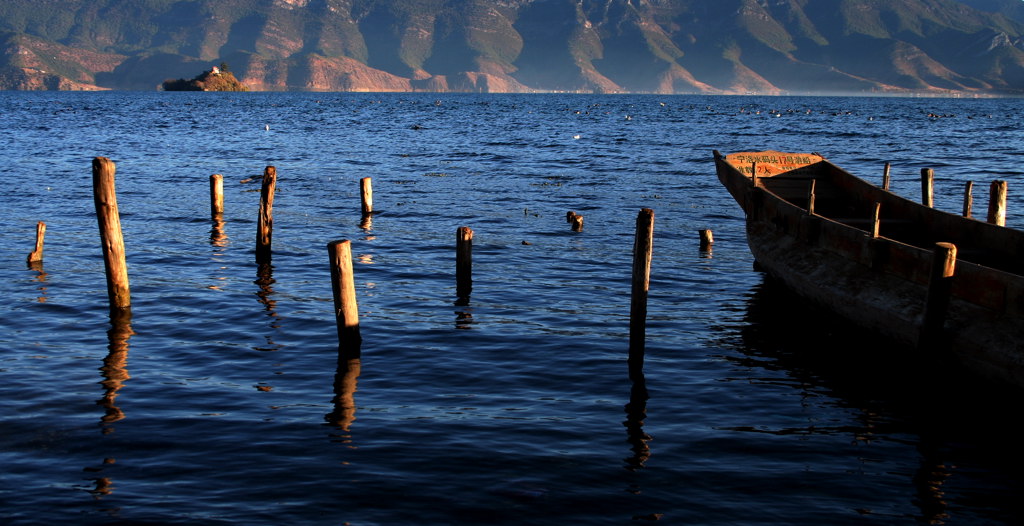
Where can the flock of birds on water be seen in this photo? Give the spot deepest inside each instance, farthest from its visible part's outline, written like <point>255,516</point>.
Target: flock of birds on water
<point>743,110</point>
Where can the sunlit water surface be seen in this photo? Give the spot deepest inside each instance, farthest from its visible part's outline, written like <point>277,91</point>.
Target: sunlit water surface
<point>223,400</point>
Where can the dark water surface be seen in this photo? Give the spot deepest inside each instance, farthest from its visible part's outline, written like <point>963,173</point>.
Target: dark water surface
<point>223,399</point>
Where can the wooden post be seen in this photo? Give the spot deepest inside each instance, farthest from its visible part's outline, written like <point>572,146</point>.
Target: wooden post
<point>217,236</point>
<point>577,223</point>
<point>463,263</point>
<point>940,285</point>
<point>576,220</point>
<point>346,311</point>
<point>968,198</point>
<point>366,193</point>
<point>265,223</point>
<point>997,203</point>
<point>885,176</point>
<point>876,223</point>
<point>111,238</point>
<point>216,196</point>
<point>927,181</point>
<point>642,250</point>
<point>37,254</point>
<point>706,240</point>
<point>810,198</point>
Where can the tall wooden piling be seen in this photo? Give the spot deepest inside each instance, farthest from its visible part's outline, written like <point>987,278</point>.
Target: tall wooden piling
<point>37,254</point>
<point>463,262</point>
<point>643,246</point>
<point>346,311</point>
<point>265,223</point>
<point>927,185</point>
<point>968,198</point>
<point>940,286</point>
<point>366,195</point>
<point>885,176</point>
<point>997,203</point>
<point>111,237</point>
<point>216,196</point>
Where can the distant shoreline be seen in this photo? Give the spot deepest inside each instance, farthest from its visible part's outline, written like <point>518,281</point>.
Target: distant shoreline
<point>899,95</point>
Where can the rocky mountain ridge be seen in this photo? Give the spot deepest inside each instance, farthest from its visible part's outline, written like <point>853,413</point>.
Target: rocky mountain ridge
<point>607,46</point>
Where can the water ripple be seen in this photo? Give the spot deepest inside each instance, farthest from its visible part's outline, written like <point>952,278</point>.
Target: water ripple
<point>224,398</point>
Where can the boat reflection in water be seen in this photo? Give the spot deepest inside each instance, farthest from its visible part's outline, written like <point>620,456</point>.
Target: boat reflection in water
<point>961,438</point>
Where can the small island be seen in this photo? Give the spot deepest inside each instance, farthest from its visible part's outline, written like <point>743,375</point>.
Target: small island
<point>217,79</point>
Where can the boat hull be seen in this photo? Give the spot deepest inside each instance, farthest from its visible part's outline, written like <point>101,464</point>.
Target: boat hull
<point>878,283</point>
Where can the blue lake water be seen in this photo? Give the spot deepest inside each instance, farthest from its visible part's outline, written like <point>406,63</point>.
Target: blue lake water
<point>223,399</point>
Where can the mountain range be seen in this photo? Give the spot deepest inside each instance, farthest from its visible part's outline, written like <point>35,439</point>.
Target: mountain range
<point>604,46</point>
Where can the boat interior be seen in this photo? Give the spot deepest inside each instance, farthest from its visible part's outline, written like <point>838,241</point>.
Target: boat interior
<point>851,201</point>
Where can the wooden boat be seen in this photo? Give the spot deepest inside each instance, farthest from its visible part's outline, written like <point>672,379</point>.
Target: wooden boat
<point>811,225</point>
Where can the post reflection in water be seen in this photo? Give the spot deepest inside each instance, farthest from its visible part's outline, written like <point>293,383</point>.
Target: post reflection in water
<point>114,369</point>
<point>464,318</point>
<point>219,241</point>
<point>636,412</point>
<point>345,380</point>
<point>265,281</point>
<point>37,266</point>
<point>218,237</point>
<point>115,373</point>
<point>103,486</point>
<point>928,480</point>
